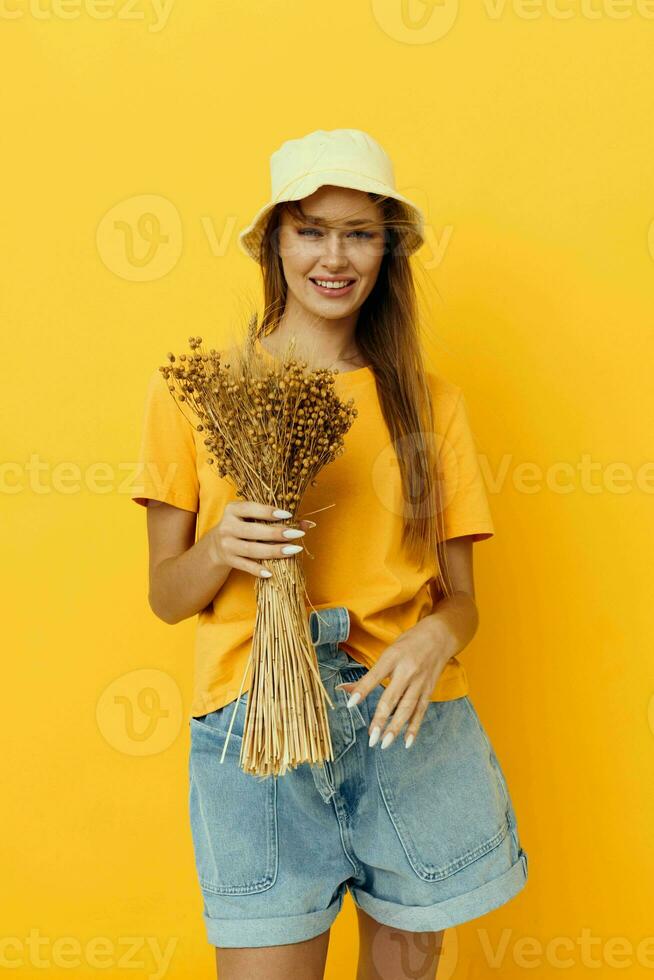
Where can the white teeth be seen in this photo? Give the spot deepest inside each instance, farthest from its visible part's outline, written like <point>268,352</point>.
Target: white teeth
<point>332,285</point>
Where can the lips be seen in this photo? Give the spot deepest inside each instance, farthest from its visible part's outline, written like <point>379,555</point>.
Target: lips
<point>333,290</point>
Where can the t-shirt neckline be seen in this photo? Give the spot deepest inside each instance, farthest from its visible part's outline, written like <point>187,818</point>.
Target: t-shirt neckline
<point>343,378</point>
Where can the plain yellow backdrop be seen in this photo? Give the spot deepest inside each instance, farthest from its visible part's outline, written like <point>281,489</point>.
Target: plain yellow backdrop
<point>135,145</point>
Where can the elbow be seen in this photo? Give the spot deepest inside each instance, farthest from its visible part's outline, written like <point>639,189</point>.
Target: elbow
<point>165,615</point>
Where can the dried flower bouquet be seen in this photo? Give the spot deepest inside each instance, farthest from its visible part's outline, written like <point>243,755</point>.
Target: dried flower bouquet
<point>270,430</point>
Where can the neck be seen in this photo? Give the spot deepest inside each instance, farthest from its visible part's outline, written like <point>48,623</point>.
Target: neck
<point>318,340</point>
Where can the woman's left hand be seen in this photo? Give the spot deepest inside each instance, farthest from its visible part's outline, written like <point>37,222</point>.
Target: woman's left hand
<point>414,662</point>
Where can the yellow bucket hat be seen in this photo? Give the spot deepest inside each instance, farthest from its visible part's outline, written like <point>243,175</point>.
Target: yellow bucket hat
<point>343,157</point>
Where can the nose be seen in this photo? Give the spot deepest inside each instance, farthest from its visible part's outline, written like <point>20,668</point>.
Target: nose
<point>333,256</point>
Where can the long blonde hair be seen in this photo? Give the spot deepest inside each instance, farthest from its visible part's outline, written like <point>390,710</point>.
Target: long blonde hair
<point>386,334</point>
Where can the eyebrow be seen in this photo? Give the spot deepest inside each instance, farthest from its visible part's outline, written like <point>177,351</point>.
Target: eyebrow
<point>315,220</point>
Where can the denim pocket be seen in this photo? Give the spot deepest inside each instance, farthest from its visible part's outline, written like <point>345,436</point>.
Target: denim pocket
<point>233,813</point>
<point>501,781</point>
<point>220,719</point>
<point>442,795</point>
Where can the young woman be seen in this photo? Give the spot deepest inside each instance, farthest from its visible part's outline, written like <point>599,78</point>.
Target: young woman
<point>413,814</point>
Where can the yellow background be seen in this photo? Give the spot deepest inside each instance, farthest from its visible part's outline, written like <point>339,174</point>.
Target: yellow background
<point>525,131</point>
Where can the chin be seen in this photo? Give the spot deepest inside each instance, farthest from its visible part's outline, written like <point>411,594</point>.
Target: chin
<point>327,312</point>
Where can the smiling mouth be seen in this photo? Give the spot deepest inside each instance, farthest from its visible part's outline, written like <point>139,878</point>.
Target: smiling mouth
<point>333,285</point>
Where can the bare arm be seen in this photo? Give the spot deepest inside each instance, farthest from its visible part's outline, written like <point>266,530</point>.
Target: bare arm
<point>455,618</point>
<point>185,575</point>
<point>414,662</point>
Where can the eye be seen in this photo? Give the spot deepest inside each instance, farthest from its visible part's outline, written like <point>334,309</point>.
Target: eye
<point>308,232</point>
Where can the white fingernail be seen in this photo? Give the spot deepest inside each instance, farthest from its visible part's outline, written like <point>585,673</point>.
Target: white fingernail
<point>387,739</point>
<point>353,699</point>
<point>409,742</point>
<point>265,573</point>
<point>292,532</point>
<point>374,736</point>
<point>292,549</point>
<point>282,513</point>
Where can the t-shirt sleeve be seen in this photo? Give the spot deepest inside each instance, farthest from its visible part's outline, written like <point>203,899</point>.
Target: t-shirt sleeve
<point>167,464</point>
<point>464,501</point>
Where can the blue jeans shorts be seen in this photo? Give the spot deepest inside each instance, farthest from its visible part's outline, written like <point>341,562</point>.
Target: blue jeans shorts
<point>424,838</point>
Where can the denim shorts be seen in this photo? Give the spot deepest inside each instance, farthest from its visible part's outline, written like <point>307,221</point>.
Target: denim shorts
<point>424,838</point>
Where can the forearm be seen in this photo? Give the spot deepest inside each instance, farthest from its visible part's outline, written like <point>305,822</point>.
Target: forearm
<point>182,585</point>
<point>453,623</point>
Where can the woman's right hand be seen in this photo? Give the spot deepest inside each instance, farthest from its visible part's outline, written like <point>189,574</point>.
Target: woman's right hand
<point>238,539</point>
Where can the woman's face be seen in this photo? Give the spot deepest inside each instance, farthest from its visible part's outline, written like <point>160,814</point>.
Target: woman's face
<point>312,254</point>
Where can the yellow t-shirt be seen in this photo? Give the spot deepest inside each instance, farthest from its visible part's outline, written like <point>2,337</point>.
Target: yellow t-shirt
<point>357,563</point>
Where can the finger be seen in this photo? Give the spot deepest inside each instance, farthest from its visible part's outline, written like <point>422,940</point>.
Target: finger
<point>374,676</point>
<point>385,706</point>
<point>404,710</point>
<point>257,549</point>
<point>252,508</point>
<point>416,720</point>
<point>252,567</point>
<point>251,531</point>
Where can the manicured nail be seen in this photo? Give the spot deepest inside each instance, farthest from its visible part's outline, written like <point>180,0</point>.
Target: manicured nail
<point>387,739</point>
<point>264,573</point>
<point>353,699</point>
<point>292,532</point>
<point>374,736</point>
<point>409,742</point>
<point>292,549</point>
<point>282,513</point>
